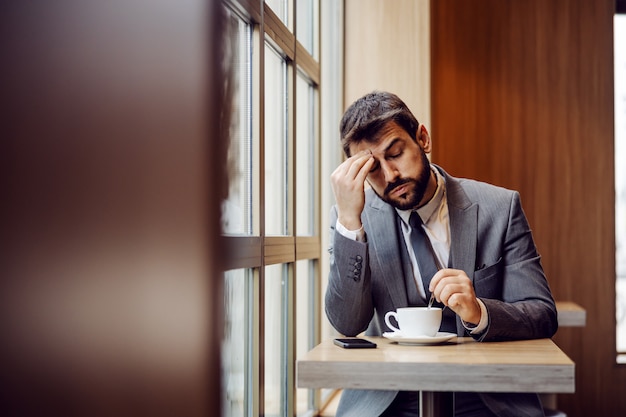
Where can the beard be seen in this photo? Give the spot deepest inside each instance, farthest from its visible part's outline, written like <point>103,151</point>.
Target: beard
<point>415,194</point>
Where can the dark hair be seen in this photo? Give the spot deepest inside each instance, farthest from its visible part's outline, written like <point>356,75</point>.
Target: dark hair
<point>364,119</point>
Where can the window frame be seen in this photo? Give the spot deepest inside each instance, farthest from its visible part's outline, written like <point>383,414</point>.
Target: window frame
<point>259,250</point>
<point>620,238</point>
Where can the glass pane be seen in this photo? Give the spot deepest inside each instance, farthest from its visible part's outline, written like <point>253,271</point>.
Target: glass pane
<point>620,180</point>
<point>235,363</point>
<point>307,15</point>
<point>276,156</point>
<point>279,7</point>
<point>305,156</point>
<point>305,324</point>
<point>275,339</point>
<point>237,207</point>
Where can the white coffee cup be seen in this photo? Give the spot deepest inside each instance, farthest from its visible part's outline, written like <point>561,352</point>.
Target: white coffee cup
<point>415,321</point>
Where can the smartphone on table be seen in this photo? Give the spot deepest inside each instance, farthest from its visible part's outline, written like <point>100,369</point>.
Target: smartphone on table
<point>354,343</point>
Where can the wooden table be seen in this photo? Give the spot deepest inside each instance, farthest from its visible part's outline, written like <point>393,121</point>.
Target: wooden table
<point>571,314</point>
<point>460,365</point>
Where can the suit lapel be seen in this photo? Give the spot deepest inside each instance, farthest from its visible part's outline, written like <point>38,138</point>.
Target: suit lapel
<point>463,228</point>
<point>463,232</point>
<point>463,239</point>
<point>381,219</point>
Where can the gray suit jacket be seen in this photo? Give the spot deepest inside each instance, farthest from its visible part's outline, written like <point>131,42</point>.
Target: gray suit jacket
<point>490,240</point>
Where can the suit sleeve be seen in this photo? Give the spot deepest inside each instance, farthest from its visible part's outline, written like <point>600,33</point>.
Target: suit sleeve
<point>348,301</point>
<point>515,289</point>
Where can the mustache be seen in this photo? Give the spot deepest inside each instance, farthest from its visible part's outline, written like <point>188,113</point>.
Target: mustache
<point>395,184</point>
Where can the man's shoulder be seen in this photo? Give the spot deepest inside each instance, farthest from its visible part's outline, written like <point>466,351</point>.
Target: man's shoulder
<point>480,187</point>
<point>375,206</point>
<point>476,190</point>
<point>372,199</point>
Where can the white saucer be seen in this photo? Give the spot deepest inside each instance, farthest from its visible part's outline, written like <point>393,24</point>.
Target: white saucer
<point>440,337</point>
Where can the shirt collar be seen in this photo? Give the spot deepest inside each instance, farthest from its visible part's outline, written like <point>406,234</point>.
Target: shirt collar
<point>427,210</point>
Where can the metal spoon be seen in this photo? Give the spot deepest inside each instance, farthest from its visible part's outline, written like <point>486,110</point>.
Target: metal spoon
<point>432,299</point>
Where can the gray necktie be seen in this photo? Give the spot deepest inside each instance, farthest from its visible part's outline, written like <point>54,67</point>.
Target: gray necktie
<point>424,253</point>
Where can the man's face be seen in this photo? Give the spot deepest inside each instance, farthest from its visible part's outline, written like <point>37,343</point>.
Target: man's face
<point>400,176</point>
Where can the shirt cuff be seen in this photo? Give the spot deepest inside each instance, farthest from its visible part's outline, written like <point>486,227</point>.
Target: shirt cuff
<point>358,235</point>
<point>482,324</point>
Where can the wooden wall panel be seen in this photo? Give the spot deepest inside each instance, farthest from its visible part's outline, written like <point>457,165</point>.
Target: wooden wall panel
<point>387,47</point>
<point>522,96</point>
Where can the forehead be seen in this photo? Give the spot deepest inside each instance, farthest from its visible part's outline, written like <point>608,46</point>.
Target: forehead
<point>383,138</point>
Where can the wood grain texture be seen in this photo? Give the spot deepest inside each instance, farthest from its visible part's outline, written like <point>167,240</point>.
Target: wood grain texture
<point>464,365</point>
<point>522,97</point>
<point>571,314</point>
<point>387,47</point>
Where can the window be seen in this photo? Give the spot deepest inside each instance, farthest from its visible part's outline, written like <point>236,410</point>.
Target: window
<point>306,302</point>
<point>236,344</point>
<point>306,155</point>
<point>275,334</point>
<point>271,215</point>
<point>276,147</point>
<point>620,182</point>
<point>237,213</point>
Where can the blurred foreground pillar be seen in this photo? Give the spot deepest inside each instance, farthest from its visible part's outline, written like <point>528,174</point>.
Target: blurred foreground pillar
<point>110,150</point>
